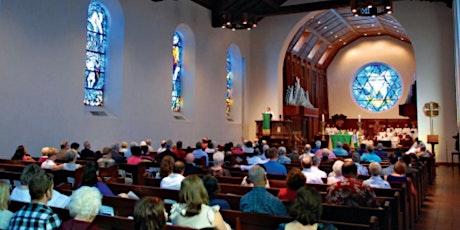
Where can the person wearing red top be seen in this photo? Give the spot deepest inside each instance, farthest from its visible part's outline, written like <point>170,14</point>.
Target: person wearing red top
<point>136,157</point>
<point>180,153</point>
<point>294,181</point>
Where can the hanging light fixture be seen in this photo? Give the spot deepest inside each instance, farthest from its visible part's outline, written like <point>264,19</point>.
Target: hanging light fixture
<point>241,22</point>
<point>371,7</point>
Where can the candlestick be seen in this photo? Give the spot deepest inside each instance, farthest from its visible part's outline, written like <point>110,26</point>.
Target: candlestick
<point>359,118</point>
<point>322,117</point>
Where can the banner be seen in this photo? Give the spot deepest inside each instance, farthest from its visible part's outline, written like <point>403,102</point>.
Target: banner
<point>266,124</point>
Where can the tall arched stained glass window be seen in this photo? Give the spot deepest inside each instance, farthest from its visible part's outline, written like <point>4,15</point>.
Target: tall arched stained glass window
<point>177,52</point>
<point>96,54</point>
<point>377,87</point>
<point>229,93</point>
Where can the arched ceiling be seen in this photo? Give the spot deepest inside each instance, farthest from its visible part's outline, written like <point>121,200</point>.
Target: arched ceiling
<point>331,27</point>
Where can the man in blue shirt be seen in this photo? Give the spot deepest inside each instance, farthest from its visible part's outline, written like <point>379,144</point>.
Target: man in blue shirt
<point>272,166</point>
<point>259,200</point>
<point>199,152</point>
<point>339,151</point>
<point>370,156</point>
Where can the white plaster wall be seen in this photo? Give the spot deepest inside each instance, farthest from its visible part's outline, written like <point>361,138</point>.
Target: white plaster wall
<point>342,71</point>
<point>42,67</point>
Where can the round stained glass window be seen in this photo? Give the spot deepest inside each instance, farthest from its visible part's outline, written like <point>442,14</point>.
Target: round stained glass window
<point>377,87</point>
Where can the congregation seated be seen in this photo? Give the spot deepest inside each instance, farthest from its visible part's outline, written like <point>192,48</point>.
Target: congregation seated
<point>190,167</point>
<point>317,146</point>
<point>84,206</point>
<point>21,154</point>
<point>106,160</point>
<point>71,157</point>
<point>329,154</point>
<point>174,179</point>
<point>350,191</point>
<point>339,151</point>
<point>379,152</point>
<point>390,168</point>
<point>362,170</point>
<point>36,214</point>
<point>312,176</point>
<point>294,180</point>
<point>127,154</point>
<point>167,151</point>
<point>50,163</point>
<point>307,151</point>
<point>272,166</point>
<point>324,156</point>
<point>307,211</point>
<point>212,187</point>
<point>22,194</point>
<point>5,214</point>
<point>370,156</point>
<point>336,174</point>
<point>178,151</point>
<point>115,153</point>
<point>376,181</point>
<point>218,161</point>
<point>86,152</point>
<point>259,200</point>
<point>195,211</point>
<point>199,152</point>
<point>136,156</point>
<point>91,179</point>
<point>283,159</point>
<point>399,175</point>
<point>149,214</point>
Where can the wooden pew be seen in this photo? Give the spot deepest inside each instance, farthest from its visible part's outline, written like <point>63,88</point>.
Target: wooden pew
<point>137,171</point>
<point>255,221</point>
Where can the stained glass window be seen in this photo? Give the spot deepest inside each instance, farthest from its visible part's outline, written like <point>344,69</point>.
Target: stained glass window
<point>377,87</point>
<point>229,93</point>
<point>177,50</point>
<point>96,48</point>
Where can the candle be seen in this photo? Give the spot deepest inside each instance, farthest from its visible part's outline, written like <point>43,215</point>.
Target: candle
<point>322,117</point>
<point>359,118</point>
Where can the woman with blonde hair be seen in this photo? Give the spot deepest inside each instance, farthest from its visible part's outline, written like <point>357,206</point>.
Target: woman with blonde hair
<point>5,214</point>
<point>194,211</point>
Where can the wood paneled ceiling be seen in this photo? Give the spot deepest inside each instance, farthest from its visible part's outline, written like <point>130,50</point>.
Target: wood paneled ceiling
<point>331,26</point>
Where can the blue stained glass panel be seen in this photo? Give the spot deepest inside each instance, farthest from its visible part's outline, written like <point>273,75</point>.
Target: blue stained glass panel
<point>96,58</point>
<point>229,78</point>
<point>377,87</point>
<point>177,50</point>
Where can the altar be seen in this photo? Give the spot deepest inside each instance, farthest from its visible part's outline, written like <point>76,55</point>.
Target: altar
<point>280,132</point>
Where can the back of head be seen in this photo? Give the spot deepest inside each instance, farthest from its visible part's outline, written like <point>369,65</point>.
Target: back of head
<point>29,172</point>
<point>337,167</point>
<point>316,160</point>
<point>115,147</point>
<point>393,159</point>
<point>179,144</point>
<point>272,153</point>
<point>370,148</point>
<point>349,169</point>
<point>281,150</point>
<point>85,202</point>
<point>356,157</point>
<point>308,147</point>
<point>136,151</point>
<point>400,168</point>
<point>218,158</point>
<point>318,144</point>
<point>306,162</point>
<point>168,144</point>
<point>74,145</point>
<point>198,145</point>
<point>295,179</point>
<point>166,166</point>
<point>189,158</point>
<point>257,176</point>
<point>339,144</point>
<point>194,194</point>
<point>124,144</point>
<point>212,186</point>
<point>178,167</point>
<point>375,168</point>
<point>149,214</point>
<point>307,207</point>
<point>379,146</point>
<point>86,144</point>
<point>39,185</point>
<point>90,174</point>
<point>70,155</point>
<point>64,144</point>
<point>106,151</point>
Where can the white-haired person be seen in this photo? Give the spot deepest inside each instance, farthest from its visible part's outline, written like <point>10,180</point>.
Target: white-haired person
<point>71,157</point>
<point>376,181</point>
<point>336,174</point>
<point>84,206</point>
<point>283,159</point>
<point>217,169</point>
